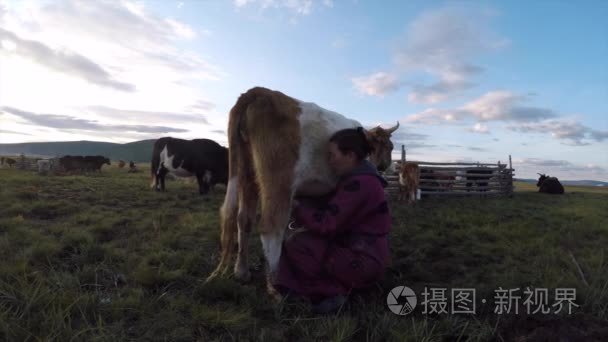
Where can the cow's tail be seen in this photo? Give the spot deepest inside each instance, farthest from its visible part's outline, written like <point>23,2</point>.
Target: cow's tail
<point>237,140</point>
<point>155,162</point>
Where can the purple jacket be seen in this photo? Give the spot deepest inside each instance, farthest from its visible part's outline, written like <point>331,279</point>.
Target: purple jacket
<point>357,216</point>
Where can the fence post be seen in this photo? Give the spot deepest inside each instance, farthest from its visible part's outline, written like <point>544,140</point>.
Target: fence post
<point>402,154</point>
<point>510,176</point>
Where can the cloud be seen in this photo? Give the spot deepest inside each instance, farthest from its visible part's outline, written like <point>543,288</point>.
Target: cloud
<point>444,43</point>
<point>476,149</point>
<point>492,106</point>
<point>300,7</point>
<point>72,123</point>
<point>64,61</point>
<point>146,116</point>
<point>12,132</point>
<point>377,84</point>
<point>571,131</point>
<point>552,165</point>
<point>127,22</point>
<point>479,128</point>
<point>117,33</point>
<point>202,106</point>
<point>219,131</point>
<point>403,136</point>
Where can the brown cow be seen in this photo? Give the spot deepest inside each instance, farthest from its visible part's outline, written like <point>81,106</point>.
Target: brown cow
<point>121,164</point>
<point>409,175</point>
<point>278,148</point>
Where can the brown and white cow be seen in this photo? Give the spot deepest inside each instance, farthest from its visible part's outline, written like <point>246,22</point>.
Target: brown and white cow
<point>409,176</point>
<point>278,149</point>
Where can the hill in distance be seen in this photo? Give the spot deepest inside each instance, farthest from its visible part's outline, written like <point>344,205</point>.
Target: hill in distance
<point>137,151</point>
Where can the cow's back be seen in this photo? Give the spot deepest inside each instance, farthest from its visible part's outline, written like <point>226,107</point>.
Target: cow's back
<point>317,125</point>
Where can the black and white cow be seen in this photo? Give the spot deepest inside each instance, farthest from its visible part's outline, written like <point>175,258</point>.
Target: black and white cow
<point>203,158</point>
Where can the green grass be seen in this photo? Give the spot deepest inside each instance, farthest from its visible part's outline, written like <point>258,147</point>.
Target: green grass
<point>102,257</point>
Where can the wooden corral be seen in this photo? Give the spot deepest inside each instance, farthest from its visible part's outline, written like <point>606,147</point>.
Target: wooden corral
<point>22,162</point>
<point>457,179</point>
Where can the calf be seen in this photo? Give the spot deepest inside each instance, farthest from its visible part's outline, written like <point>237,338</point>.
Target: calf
<point>549,185</point>
<point>409,175</point>
<point>10,162</point>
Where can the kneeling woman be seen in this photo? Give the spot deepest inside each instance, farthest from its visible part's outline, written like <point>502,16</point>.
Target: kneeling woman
<point>344,242</point>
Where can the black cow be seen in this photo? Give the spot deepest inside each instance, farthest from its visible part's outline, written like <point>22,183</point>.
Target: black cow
<point>80,163</point>
<point>203,158</point>
<point>479,175</point>
<point>94,163</point>
<point>549,185</point>
<point>10,162</point>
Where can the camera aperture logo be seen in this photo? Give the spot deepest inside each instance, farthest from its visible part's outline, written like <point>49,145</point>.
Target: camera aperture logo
<point>401,300</point>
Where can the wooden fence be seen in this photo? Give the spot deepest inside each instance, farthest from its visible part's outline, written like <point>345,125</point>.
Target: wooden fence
<point>22,162</point>
<point>458,179</point>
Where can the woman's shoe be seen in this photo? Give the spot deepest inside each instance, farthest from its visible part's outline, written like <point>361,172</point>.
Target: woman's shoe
<point>329,305</point>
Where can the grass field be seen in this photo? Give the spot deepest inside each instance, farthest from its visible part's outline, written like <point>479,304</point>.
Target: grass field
<point>104,258</point>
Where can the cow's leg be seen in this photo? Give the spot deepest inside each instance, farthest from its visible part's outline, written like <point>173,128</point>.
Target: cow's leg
<point>276,208</point>
<point>228,218</point>
<point>161,177</point>
<point>248,201</point>
<point>203,184</point>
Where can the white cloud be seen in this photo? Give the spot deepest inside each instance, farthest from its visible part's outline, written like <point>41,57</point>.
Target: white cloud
<point>300,7</point>
<point>505,106</point>
<point>559,168</point>
<point>570,131</point>
<point>444,43</point>
<point>480,128</point>
<point>82,73</point>
<point>78,124</point>
<point>492,106</point>
<point>377,84</point>
<point>65,61</point>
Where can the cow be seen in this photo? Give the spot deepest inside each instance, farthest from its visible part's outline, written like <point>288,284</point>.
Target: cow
<point>203,158</point>
<point>549,185</point>
<point>132,167</point>
<point>121,164</point>
<point>1,161</point>
<point>72,163</point>
<point>409,176</point>
<point>477,177</point>
<point>278,150</point>
<point>10,162</point>
<point>94,163</point>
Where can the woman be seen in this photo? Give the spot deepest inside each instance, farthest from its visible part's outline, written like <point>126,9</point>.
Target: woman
<point>344,243</point>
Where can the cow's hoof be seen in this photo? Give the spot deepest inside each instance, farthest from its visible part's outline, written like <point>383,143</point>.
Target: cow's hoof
<point>274,294</point>
<point>243,276</point>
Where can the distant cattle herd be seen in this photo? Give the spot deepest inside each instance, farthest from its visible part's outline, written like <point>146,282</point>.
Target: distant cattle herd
<point>207,161</point>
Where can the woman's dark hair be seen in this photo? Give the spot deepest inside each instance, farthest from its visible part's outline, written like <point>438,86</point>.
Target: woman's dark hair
<point>352,140</point>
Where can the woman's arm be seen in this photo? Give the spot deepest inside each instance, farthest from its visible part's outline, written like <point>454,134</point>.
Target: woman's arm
<point>349,198</point>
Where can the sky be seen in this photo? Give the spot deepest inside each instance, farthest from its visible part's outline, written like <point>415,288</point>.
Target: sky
<point>467,81</point>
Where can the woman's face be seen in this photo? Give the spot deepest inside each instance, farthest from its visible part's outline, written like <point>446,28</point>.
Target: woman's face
<point>341,163</point>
